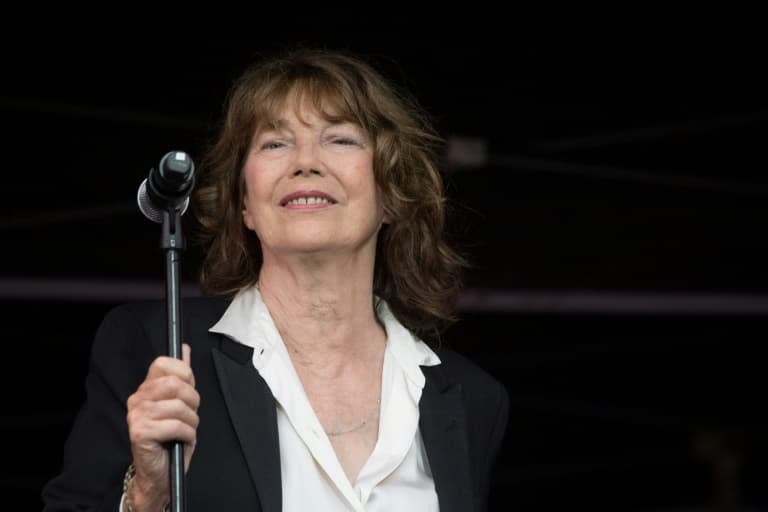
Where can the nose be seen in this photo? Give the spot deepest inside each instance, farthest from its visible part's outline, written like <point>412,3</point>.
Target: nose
<point>307,173</point>
<point>307,161</point>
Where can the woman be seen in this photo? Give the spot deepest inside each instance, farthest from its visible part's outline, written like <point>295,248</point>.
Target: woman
<point>306,386</point>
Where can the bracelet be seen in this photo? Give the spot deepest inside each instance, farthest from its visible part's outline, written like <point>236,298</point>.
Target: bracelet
<point>127,480</point>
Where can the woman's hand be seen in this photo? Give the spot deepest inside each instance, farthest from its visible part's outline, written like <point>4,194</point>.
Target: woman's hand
<point>163,409</point>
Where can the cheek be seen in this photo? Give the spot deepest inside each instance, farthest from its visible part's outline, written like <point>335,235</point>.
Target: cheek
<point>375,191</point>
<point>250,189</point>
<point>253,208</point>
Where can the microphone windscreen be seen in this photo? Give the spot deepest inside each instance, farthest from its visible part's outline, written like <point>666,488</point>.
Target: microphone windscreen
<point>148,208</point>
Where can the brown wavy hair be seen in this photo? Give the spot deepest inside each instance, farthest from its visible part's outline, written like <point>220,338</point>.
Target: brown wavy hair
<point>416,271</point>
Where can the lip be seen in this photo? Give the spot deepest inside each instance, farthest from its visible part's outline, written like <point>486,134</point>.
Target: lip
<point>308,193</point>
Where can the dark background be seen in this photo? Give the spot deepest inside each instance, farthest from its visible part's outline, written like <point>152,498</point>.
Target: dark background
<point>616,228</point>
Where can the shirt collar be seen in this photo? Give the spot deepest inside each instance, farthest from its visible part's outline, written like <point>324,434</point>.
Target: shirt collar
<point>247,321</point>
<point>408,350</point>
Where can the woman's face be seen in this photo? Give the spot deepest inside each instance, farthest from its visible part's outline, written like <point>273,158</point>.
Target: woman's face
<point>309,187</point>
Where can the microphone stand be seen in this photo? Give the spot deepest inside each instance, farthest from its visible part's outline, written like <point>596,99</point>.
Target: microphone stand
<point>172,242</point>
<point>157,198</point>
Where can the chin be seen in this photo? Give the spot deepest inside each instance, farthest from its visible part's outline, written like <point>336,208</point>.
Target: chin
<point>309,244</point>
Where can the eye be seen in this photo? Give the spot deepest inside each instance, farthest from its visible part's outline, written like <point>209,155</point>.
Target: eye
<point>345,141</point>
<point>272,144</point>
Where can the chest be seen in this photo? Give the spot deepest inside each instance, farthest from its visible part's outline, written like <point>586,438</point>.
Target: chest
<point>305,470</point>
<point>351,422</point>
<point>353,449</point>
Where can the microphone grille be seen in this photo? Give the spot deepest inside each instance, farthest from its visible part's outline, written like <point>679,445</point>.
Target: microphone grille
<point>148,208</point>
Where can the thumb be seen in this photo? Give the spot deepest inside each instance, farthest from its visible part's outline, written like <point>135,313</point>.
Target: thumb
<point>186,356</point>
<point>186,353</point>
<point>189,450</point>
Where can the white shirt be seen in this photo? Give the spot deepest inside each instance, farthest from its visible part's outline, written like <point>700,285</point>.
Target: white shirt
<point>396,476</point>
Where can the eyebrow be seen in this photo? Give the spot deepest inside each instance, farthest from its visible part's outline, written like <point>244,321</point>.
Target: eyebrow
<point>281,124</point>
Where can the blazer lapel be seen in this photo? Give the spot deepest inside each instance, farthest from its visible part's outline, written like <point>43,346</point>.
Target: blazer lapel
<point>443,426</point>
<point>252,409</point>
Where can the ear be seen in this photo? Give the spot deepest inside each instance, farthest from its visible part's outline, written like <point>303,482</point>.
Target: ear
<point>385,217</point>
<point>247,220</point>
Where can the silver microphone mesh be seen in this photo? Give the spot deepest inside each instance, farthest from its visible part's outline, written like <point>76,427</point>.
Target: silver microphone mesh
<point>148,209</point>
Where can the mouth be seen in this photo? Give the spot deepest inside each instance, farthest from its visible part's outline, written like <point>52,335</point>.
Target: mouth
<point>307,199</point>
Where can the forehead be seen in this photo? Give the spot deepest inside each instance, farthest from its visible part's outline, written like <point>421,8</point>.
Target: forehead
<point>305,104</point>
<point>302,115</point>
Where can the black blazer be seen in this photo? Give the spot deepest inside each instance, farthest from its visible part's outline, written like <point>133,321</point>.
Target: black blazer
<point>236,465</point>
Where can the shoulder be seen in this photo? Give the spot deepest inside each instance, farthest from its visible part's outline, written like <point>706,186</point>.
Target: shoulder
<point>148,320</point>
<point>461,370</point>
<point>194,311</point>
<point>484,398</point>
<point>483,394</point>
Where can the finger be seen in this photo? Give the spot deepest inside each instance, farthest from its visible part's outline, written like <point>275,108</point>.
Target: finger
<point>162,431</point>
<point>163,410</point>
<point>165,365</point>
<point>165,388</point>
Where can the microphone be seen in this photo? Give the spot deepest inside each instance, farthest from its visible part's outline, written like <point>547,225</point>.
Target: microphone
<point>168,186</point>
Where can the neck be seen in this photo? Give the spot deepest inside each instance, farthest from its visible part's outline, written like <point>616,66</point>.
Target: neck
<point>323,309</point>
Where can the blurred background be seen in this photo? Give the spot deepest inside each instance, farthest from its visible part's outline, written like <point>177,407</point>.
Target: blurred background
<point>607,177</point>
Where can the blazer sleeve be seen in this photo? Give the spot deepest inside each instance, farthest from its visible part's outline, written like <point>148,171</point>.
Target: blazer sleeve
<point>97,451</point>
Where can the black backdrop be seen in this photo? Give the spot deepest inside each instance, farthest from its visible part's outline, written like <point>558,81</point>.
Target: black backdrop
<point>615,225</point>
